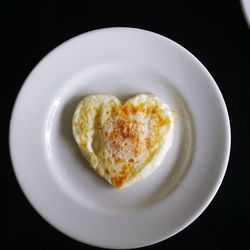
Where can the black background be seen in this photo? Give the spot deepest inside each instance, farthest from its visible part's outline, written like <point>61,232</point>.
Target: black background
<point>214,31</point>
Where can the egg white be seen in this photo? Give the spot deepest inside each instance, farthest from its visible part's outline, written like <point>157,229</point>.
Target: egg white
<point>94,124</point>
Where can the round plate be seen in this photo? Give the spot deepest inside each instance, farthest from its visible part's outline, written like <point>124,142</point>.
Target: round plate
<point>60,184</point>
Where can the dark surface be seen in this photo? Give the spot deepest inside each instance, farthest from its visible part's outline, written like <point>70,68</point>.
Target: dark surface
<point>214,31</point>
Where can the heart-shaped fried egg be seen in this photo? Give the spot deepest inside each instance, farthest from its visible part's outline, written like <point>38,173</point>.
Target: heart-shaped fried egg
<point>123,141</point>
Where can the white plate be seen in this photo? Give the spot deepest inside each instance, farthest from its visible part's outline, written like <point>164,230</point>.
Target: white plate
<point>245,4</point>
<point>60,184</point>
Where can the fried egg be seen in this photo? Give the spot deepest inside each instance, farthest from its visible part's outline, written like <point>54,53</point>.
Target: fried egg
<point>124,142</point>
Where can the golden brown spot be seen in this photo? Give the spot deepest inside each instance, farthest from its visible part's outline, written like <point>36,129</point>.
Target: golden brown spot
<point>141,107</point>
<point>149,110</point>
<point>133,110</point>
<point>123,175</point>
<point>131,160</point>
<point>148,143</point>
<point>118,160</point>
<point>118,181</point>
<point>83,145</point>
<point>114,111</point>
<point>126,109</point>
<point>161,120</point>
<point>106,171</point>
<point>154,110</point>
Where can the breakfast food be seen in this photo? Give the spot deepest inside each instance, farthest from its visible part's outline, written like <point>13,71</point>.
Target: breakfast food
<point>123,141</point>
